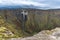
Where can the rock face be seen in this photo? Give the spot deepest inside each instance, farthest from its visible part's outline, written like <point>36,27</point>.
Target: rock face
<point>43,35</point>
<point>4,31</point>
<point>37,20</point>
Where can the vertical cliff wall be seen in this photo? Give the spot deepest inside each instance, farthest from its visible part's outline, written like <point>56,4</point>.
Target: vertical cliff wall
<point>37,20</point>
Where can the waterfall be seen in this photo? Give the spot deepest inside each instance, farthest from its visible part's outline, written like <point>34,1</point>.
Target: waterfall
<point>24,18</point>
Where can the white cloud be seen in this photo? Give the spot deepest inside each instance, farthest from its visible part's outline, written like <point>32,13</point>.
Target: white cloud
<point>54,7</point>
<point>38,3</point>
<point>21,2</point>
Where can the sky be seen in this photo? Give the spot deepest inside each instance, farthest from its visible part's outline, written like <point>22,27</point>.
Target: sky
<point>45,4</point>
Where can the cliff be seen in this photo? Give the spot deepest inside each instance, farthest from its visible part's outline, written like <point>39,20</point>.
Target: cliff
<point>37,20</point>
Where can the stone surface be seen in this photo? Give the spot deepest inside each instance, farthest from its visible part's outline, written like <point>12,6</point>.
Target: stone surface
<point>55,35</point>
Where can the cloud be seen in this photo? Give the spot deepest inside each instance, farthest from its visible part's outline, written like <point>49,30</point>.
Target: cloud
<point>39,3</point>
<point>21,2</point>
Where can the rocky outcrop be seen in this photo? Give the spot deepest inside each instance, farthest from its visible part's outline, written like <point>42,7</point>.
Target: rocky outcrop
<point>43,35</point>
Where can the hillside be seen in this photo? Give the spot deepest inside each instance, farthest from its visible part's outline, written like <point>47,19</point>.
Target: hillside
<point>37,20</point>
<point>53,34</point>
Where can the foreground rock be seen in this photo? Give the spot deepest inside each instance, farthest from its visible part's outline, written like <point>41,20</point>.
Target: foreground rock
<point>43,35</point>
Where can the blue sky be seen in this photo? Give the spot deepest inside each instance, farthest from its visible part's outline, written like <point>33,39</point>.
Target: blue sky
<point>46,4</point>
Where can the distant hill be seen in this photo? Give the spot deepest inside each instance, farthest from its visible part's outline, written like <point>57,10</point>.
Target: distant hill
<point>22,6</point>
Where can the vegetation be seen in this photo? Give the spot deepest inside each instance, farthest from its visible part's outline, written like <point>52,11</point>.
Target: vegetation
<point>11,23</point>
<point>8,30</point>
